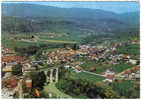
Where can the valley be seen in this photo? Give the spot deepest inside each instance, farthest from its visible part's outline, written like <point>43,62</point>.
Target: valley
<point>52,52</point>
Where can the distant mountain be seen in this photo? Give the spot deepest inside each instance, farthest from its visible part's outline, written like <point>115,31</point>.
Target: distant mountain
<point>31,10</point>
<point>72,20</point>
<point>132,18</point>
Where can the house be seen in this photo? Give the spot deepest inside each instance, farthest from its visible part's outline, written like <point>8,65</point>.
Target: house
<point>7,51</point>
<point>124,56</point>
<point>109,78</point>
<point>113,48</point>
<point>10,83</point>
<point>28,82</point>
<point>134,41</point>
<point>135,69</point>
<point>130,76</point>
<point>137,76</point>
<point>92,68</point>
<point>84,46</point>
<point>118,44</point>
<point>26,67</point>
<point>127,73</point>
<point>109,72</point>
<point>78,69</point>
<point>132,61</point>
<point>72,52</point>
<point>10,60</point>
<point>67,66</point>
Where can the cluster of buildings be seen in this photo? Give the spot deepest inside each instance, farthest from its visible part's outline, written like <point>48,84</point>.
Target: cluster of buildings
<point>69,58</point>
<point>10,83</point>
<point>130,74</point>
<point>10,58</point>
<point>95,53</point>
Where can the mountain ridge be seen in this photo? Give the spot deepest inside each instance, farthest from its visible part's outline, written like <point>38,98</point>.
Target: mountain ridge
<point>72,19</point>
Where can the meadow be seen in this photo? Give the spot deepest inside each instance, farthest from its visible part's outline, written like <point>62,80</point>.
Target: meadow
<point>103,67</point>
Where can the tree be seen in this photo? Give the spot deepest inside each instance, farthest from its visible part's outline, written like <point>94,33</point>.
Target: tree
<point>109,93</point>
<point>65,45</point>
<point>38,79</point>
<point>74,47</point>
<point>17,69</point>
<point>137,85</point>
<point>35,66</point>
<point>32,36</point>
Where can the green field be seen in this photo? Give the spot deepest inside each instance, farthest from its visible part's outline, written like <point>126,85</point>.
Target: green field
<point>8,40</point>
<point>102,68</point>
<point>59,41</point>
<point>132,49</point>
<point>90,77</point>
<point>62,37</point>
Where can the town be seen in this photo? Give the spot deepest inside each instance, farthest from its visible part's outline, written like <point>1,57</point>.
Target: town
<point>99,61</point>
<point>70,50</point>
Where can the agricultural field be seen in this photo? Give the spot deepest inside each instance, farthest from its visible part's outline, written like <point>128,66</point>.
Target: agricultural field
<point>62,37</point>
<point>9,41</point>
<point>25,40</point>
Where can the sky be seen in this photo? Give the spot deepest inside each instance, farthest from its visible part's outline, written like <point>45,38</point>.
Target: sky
<point>117,7</point>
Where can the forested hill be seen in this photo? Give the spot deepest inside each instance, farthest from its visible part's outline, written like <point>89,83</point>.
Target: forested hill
<point>32,10</point>
<point>33,18</point>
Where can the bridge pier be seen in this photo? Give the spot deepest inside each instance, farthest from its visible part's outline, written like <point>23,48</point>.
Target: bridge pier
<point>56,80</point>
<point>51,75</point>
<point>20,89</point>
<point>46,73</point>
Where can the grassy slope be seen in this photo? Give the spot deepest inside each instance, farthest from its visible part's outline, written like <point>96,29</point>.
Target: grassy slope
<point>55,91</point>
<point>93,78</point>
<point>7,42</point>
<point>102,68</point>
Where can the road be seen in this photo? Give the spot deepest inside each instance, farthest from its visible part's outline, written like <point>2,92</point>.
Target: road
<point>92,73</point>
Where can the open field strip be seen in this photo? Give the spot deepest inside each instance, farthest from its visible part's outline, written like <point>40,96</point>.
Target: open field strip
<point>50,41</point>
<point>60,41</point>
<point>52,88</point>
<point>89,76</point>
<point>92,73</point>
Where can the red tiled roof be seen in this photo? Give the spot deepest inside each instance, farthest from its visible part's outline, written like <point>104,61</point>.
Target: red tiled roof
<point>118,44</point>
<point>124,56</point>
<point>11,82</point>
<point>136,68</point>
<point>134,40</point>
<point>127,72</point>
<point>9,59</point>
<point>79,68</point>
<point>92,68</point>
